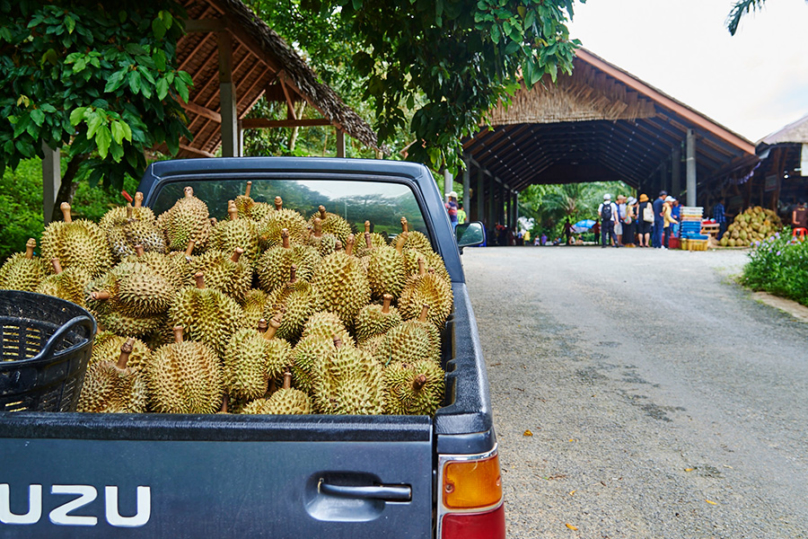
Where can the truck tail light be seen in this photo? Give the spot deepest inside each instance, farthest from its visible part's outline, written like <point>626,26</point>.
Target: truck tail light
<point>470,499</point>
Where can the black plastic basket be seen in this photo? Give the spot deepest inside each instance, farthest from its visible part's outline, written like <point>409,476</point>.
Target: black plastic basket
<point>45,345</point>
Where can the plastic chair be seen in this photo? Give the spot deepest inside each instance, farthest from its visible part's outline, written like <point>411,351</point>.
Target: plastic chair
<point>801,232</point>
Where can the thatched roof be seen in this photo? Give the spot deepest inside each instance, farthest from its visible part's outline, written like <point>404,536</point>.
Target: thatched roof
<point>261,60</point>
<point>793,133</point>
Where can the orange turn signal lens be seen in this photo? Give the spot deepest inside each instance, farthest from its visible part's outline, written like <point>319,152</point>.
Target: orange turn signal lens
<point>471,484</point>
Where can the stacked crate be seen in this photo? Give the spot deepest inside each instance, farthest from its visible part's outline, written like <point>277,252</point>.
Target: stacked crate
<point>691,217</point>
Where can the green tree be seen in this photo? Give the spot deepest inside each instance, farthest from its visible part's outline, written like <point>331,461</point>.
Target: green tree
<point>739,10</point>
<point>98,80</point>
<point>429,68</point>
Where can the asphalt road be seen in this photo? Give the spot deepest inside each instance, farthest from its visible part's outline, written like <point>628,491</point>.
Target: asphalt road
<point>663,401</point>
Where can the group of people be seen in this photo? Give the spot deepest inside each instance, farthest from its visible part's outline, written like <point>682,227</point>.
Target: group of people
<point>457,215</point>
<point>627,220</point>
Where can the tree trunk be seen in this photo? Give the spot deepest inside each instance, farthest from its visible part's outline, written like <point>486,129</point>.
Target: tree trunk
<point>295,130</point>
<point>68,187</point>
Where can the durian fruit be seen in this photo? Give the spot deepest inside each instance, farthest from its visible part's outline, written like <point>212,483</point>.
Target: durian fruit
<point>253,358</point>
<point>22,271</point>
<point>187,220</point>
<point>308,352</point>
<point>375,320</point>
<point>372,241</point>
<point>285,401</point>
<point>107,347</point>
<point>184,378</point>
<point>414,388</point>
<point>66,284</point>
<point>342,284</point>
<point>426,289</point>
<point>297,300</point>
<point>332,224</point>
<point>244,204</point>
<point>327,325</point>
<point>229,273</point>
<point>386,271</point>
<point>274,265</point>
<point>79,243</point>
<point>324,243</point>
<point>254,304</point>
<point>432,260</point>
<point>163,265</point>
<point>114,387</point>
<point>271,228</point>
<point>349,381</point>
<point>126,227</point>
<point>208,315</point>
<point>415,240</point>
<point>236,233</point>
<point>408,342</point>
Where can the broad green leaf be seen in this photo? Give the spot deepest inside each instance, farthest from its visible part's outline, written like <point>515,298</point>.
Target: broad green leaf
<point>115,81</point>
<point>47,107</point>
<point>77,116</point>
<point>94,123</point>
<point>134,49</point>
<point>159,28</point>
<point>134,82</point>
<point>70,24</point>
<point>117,151</point>
<point>162,89</point>
<point>103,138</point>
<point>495,34</point>
<point>181,88</point>
<point>117,132</point>
<point>127,131</point>
<point>38,117</point>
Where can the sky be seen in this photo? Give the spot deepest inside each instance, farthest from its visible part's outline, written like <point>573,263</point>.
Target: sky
<point>753,83</point>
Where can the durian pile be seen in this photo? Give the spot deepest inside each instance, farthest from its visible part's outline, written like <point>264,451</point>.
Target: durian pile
<point>755,224</point>
<point>267,312</point>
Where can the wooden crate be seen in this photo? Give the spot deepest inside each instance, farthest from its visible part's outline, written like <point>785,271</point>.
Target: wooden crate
<point>697,245</point>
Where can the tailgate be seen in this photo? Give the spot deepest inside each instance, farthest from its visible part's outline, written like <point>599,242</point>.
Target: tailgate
<point>77,475</point>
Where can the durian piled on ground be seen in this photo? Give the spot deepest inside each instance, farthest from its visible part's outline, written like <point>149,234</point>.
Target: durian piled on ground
<point>755,224</point>
<point>268,312</point>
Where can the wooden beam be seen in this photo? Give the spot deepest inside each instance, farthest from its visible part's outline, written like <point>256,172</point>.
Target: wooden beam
<point>227,96</point>
<point>258,123</point>
<point>340,143</point>
<point>205,25</point>
<point>197,151</point>
<point>290,106</point>
<point>202,111</point>
<point>51,180</point>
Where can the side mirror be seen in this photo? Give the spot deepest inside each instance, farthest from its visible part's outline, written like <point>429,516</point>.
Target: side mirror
<point>470,234</point>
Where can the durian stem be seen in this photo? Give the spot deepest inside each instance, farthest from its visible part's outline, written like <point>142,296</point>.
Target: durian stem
<point>419,382</point>
<point>278,203</point>
<point>178,333</point>
<point>190,248</point>
<point>285,237</point>
<point>349,248</point>
<point>400,241</point>
<point>368,244</point>
<point>57,266</point>
<point>237,254</point>
<point>232,211</point>
<point>322,212</point>
<point>65,207</point>
<point>337,246</point>
<point>388,299</point>
<point>247,190</point>
<point>424,313</point>
<point>138,199</point>
<point>337,342</point>
<point>404,225</point>
<point>139,250</point>
<point>223,409</point>
<point>30,245</point>
<point>213,221</point>
<point>129,213</point>
<point>126,351</point>
<point>200,280</point>
<point>421,266</point>
<point>367,227</point>
<point>262,325</point>
<point>293,274</point>
<point>100,296</point>
<point>318,227</point>
<point>287,379</point>
<point>189,192</point>
<point>274,324</point>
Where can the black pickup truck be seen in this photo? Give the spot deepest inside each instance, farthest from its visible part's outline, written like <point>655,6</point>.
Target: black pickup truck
<point>155,475</point>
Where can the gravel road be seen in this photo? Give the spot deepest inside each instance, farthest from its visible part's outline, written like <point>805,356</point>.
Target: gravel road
<point>663,401</point>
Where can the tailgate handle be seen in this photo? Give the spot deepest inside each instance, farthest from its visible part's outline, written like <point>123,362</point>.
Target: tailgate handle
<point>389,493</point>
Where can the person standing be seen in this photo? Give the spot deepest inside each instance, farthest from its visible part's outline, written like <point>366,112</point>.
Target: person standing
<point>630,222</point>
<point>621,214</point>
<point>645,218</point>
<point>451,209</point>
<point>461,215</point>
<point>669,220</point>
<point>720,218</point>
<point>596,231</point>
<point>676,211</point>
<point>607,212</point>
<point>659,219</point>
<point>568,231</point>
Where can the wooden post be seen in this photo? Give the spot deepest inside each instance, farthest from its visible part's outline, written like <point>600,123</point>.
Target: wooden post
<point>51,180</point>
<point>340,143</point>
<point>508,214</point>
<point>227,96</point>
<point>480,196</point>
<point>690,163</point>
<point>240,139</point>
<point>676,184</point>
<point>515,209</point>
<point>448,184</point>
<point>467,186</point>
<point>492,205</point>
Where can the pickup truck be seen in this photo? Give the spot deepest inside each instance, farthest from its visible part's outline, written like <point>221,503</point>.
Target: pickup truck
<point>159,475</point>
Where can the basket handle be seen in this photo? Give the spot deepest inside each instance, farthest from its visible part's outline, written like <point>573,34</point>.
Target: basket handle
<point>80,320</point>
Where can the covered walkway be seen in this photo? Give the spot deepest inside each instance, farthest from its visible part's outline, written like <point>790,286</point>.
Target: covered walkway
<point>598,124</point>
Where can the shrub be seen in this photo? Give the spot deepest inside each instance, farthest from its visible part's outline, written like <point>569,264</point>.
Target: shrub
<point>779,265</point>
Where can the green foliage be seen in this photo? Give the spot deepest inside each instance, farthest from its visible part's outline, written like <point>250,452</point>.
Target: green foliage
<point>779,265</point>
<point>100,80</point>
<point>739,9</point>
<point>429,68</point>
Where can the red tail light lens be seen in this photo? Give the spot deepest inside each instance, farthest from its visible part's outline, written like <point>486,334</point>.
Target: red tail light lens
<point>490,525</point>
